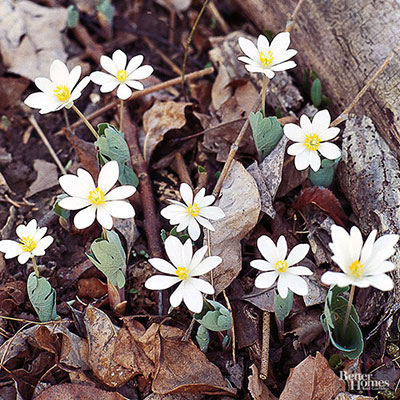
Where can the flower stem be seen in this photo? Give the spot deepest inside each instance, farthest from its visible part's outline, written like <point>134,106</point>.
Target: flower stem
<point>121,114</point>
<point>35,266</point>
<point>264,94</point>
<point>348,311</point>
<point>84,119</point>
<point>104,232</point>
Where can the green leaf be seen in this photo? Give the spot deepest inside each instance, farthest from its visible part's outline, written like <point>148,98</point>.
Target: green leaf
<point>72,16</point>
<point>214,316</point>
<point>181,236</point>
<point>61,212</point>
<point>163,235</point>
<point>324,176</point>
<point>267,132</point>
<point>283,306</point>
<point>203,338</point>
<point>109,257</point>
<point>352,344</point>
<point>106,8</point>
<point>112,146</point>
<point>316,92</point>
<point>201,169</point>
<point>43,298</point>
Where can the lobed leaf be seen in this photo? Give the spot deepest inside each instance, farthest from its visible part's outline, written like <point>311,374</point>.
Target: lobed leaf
<point>214,316</point>
<point>283,306</point>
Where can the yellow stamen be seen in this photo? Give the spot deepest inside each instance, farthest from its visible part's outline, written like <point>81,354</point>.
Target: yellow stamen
<point>194,210</point>
<point>312,142</point>
<point>61,92</point>
<point>281,266</point>
<point>266,60</point>
<point>357,269</point>
<point>122,75</point>
<point>182,273</point>
<point>96,196</point>
<point>27,244</point>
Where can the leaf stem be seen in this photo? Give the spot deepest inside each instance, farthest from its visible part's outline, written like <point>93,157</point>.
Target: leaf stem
<point>35,266</point>
<point>121,114</point>
<point>348,311</point>
<point>264,93</point>
<point>84,119</point>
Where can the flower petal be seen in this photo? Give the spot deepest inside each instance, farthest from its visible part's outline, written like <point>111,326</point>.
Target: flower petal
<point>45,85</point>
<point>249,61</point>
<point>294,133</point>
<point>11,248</point>
<point>194,229</point>
<point>161,282</point>
<point>266,280</point>
<point>280,58</point>
<point>302,160</point>
<point>73,77</point>
<point>101,78</point>
<point>73,186</point>
<point>76,93</point>
<point>108,176</point>
<point>177,296</point>
<point>297,254</point>
<point>306,125</point>
<point>108,65</point>
<point>329,133</point>
<point>197,258</point>
<point>31,228</point>
<point>120,193</point>
<point>38,235</point>
<point>296,149</point>
<point>212,212</point>
<point>207,265</point>
<point>85,217</point>
<point>39,100</point>
<point>74,203</point>
<point>142,72</point>
<point>173,248</point>
<point>202,286</point>
<point>192,298</point>
<point>296,284</point>
<point>321,121</point>
<point>381,282</point>
<point>24,257</point>
<point>207,201</point>
<point>134,84</point>
<point>120,59</point>
<point>162,266</point>
<point>262,44</point>
<point>207,224</point>
<point>134,64</point>
<point>59,72</point>
<point>186,193</point>
<point>283,66</point>
<point>336,278</point>
<point>262,265</point>
<point>199,196</point>
<point>315,161</point>
<point>249,48</point>
<point>356,243</point>
<point>268,249</point>
<point>119,209</point>
<point>187,253</point>
<point>109,86</point>
<point>299,271</point>
<point>282,247</point>
<point>280,43</point>
<point>124,92</point>
<point>42,246</point>
<point>329,151</point>
<point>282,286</point>
<point>104,218</point>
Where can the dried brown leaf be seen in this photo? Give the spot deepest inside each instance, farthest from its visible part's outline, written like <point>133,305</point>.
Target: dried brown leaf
<point>91,288</point>
<point>47,177</point>
<point>257,388</point>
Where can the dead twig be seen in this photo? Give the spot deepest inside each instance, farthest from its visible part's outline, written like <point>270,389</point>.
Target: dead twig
<point>182,170</point>
<point>228,304</point>
<point>290,22</point>
<point>214,11</point>
<point>92,49</point>
<point>265,345</point>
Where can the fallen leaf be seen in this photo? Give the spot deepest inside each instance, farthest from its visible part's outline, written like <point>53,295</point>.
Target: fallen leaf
<point>12,295</point>
<point>220,91</point>
<point>325,200</point>
<point>178,5</point>
<point>91,288</point>
<point>350,396</point>
<point>31,32</point>
<point>73,391</point>
<point>47,177</point>
<point>240,218</point>
<point>257,388</point>
<point>312,379</point>
<point>161,118</point>
<point>11,90</point>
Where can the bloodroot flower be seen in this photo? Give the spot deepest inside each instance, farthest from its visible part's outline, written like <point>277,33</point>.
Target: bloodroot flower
<point>97,201</point>
<point>266,58</point>
<point>185,269</point>
<point>311,138</point>
<point>31,242</point>
<point>363,264</point>
<point>279,267</point>
<point>121,75</point>
<point>61,90</point>
<point>193,212</point>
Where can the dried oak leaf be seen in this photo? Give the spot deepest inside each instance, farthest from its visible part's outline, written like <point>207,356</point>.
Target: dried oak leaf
<point>312,379</point>
<point>325,200</point>
<point>12,295</point>
<point>257,388</point>
<point>46,178</point>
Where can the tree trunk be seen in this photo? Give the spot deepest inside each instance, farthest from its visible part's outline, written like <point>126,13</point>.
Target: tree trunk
<point>344,42</point>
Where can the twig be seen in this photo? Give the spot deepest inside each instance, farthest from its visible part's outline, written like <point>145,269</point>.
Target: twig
<point>92,49</point>
<point>343,116</point>
<point>121,115</point>
<point>42,136</point>
<point>141,93</point>
<point>214,11</point>
<point>188,332</point>
<point>289,24</point>
<point>182,170</point>
<point>209,255</point>
<point>189,40</point>
<point>265,345</point>
<point>228,304</point>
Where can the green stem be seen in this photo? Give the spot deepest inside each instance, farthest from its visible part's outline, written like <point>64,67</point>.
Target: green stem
<point>264,93</point>
<point>35,266</point>
<point>85,120</point>
<point>348,311</point>
<point>104,231</point>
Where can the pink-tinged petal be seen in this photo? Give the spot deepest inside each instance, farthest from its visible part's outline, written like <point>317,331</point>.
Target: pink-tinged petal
<point>173,248</point>
<point>305,124</point>
<point>101,78</point>
<point>212,212</point>
<point>262,44</point>
<point>262,265</point>
<point>207,201</point>
<point>192,298</point>
<point>283,66</point>
<point>38,100</point>
<point>302,160</point>
<point>329,134</point>
<point>177,296</point>
<point>202,286</point>
<point>134,84</point>
<point>282,247</point>
<point>74,203</point>
<point>73,77</point>
<point>45,85</point>
<point>108,176</point>
<point>124,92</point>
<point>10,248</point>
<point>142,72</point>
<point>120,59</point>
<point>120,193</point>
<point>329,151</point>
<point>199,196</point>
<point>197,257</point>
<point>161,282</point>
<point>86,179</point>
<point>297,254</point>
<point>282,286</point>
<point>108,65</point>
<point>249,48</point>
<point>314,160</point>
<point>194,229</point>
<point>119,209</point>
<point>268,249</point>
<point>280,43</point>
<point>296,148</point>
<point>24,257</point>
<point>381,282</point>
<point>104,218</point>
<point>296,284</point>
<point>72,185</point>
<point>299,271</point>
<point>186,193</point>
<point>162,266</point>
<point>321,121</point>
<point>266,280</point>
<point>207,265</point>
<point>294,133</point>
<point>59,72</point>
<point>134,64</point>
<point>85,217</point>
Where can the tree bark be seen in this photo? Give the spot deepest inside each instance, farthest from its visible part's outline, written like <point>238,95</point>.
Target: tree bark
<point>344,42</point>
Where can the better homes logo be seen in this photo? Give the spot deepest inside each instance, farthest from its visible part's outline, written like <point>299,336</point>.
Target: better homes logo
<point>359,382</point>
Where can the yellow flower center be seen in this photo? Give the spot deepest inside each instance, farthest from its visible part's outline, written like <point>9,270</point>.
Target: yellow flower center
<point>266,60</point>
<point>96,196</point>
<point>27,244</point>
<point>194,210</point>
<point>281,266</point>
<point>312,142</point>
<point>61,92</point>
<point>357,269</point>
<point>182,273</point>
<point>122,75</point>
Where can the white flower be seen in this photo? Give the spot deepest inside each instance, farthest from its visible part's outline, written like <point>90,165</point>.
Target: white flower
<point>61,90</point>
<point>122,75</point>
<point>279,267</point>
<point>193,213</point>
<point>311,137</point>
<point>184,268</point>
<point>32,242</point>
<point>362,264</point>
<point>97,201</point>
<point>267,58</point>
